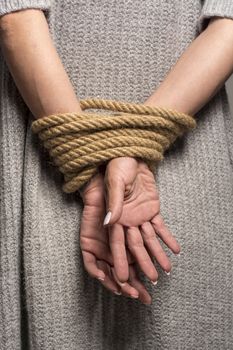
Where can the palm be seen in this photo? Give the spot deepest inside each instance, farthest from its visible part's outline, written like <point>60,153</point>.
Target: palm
<point>134,203</point>
<point>141,199</point>
<point>141,203</point>
<point>94,243</point>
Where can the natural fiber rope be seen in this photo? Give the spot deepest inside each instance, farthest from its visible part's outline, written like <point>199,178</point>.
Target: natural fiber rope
<point>79,142</point>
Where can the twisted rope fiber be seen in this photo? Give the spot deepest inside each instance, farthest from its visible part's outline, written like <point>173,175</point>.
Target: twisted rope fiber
<point>79,142</point>
<point>72,142</point>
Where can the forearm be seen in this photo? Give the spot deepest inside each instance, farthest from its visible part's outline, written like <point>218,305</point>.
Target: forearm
<point>35,65</point>
<point>200,72</point>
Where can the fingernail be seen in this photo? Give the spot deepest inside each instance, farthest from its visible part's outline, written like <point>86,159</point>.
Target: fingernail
<point>121,284</point>
<point>117,293</point>
<point>154,282</point>
<point>178,254</point>
<point>107,218</point>
<point>134,296</point>
<point>167,273</point>
<point>100,278</point>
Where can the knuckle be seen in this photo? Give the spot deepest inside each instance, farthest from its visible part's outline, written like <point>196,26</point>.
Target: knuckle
<point>135,246</point>
<point>159,225</point>
<point>135,241</point>
<point>146,260</point>
<point>149,236</point>
<point>116,243</point>
<point>160,251</point>
<point>144,225</point>
<point>84,243</point>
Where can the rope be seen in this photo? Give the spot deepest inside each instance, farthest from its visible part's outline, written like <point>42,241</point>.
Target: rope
<point>79,142</point>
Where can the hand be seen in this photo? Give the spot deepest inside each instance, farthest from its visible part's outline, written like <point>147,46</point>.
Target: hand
<point>133,202</point>
<point>94,244</point>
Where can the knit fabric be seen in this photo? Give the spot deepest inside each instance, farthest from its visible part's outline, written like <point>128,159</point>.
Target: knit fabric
<point>118,50</point>
<point>211,8</point>
<point>8,6</point>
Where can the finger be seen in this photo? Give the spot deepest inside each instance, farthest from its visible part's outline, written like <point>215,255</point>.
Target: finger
<point>97,248</point>
<point>126,289</point>
<point>134,281</point>
<point>164,233</point>
<point>90,264</point>
<point>154,247</point>
<point>137,248</point>
<point>130,257</point>
<point>114,197</point>
<point>118,250</point>
<point>109,281</point>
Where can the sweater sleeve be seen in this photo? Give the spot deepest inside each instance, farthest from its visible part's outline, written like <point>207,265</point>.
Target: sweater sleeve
<point>7,6</point>
<point>211,8</point>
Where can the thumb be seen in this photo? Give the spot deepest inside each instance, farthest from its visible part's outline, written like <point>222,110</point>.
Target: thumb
<point>114,196</point>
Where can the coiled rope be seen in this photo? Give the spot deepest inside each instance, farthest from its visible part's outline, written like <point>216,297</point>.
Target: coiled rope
<point>79,142</point>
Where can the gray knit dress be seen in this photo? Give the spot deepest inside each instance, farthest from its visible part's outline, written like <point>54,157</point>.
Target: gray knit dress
<point>120,50</point>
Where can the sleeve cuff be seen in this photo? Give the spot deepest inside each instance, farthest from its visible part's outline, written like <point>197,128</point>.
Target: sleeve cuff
<point>212,8</point>
<point>7,6</point>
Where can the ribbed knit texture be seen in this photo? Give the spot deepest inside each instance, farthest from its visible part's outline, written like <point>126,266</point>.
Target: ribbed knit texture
<point>118,50</point>
<point>222,8</point>
<point>7,6</point>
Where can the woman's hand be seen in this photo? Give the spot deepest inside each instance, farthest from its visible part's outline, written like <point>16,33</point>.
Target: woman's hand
<point>133,201</point>
<point>95,245</point>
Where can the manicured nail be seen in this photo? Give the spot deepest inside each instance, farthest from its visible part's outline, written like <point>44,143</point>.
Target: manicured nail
<point>154,282</point>
<point>100,278</point>
<point>134,296</point>
<point>117,293</point>
<point>167,273</point>
<point>107,218</point>
<point>121,284</point>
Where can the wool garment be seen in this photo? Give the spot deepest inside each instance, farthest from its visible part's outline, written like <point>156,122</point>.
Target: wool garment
<point>117,50</point>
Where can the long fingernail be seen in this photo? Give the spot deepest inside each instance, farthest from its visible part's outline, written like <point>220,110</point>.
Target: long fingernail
<point>167,273</point>
<point>117,293</point>
<point>134,296</point>
<point>107,218</point>
<point>101,278</point>
<point>154,282</point>
<point>121,284</point>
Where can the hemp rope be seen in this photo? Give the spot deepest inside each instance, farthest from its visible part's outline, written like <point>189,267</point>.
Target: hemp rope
<point>79,143</point>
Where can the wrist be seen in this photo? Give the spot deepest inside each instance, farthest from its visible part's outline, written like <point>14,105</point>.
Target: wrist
<point>91,184</point>
<point>51,108</point>
<point>133,160</point>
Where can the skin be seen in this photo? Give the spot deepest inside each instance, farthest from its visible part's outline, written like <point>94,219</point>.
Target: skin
<point>97,257</point>
<point>46,89</point>
<point>138,210</point>
<point>141,201</point>
<point>34,63</point>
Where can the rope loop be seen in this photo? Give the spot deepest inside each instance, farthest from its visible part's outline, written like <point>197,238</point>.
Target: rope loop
<point>79,142</point>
